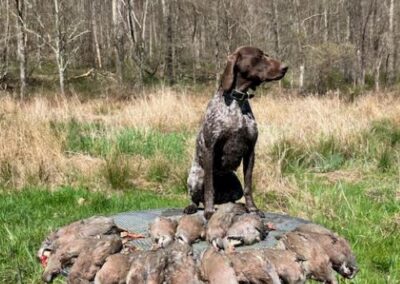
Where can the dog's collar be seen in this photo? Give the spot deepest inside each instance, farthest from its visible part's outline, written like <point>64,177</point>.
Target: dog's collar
<point>239,95</point>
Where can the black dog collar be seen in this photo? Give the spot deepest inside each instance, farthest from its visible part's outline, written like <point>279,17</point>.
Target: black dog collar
<point>239,95</point>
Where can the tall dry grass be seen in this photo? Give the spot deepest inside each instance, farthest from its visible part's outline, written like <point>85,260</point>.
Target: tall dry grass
<point>31,152</point>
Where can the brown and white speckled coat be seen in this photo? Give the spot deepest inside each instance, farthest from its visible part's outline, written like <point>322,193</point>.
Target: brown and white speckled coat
<point>229,133</point>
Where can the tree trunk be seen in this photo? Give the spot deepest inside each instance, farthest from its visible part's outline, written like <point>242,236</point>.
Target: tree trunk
<point>196,46</point>
<point>216,44</point>
<point>61,71</point>
<point>60,47</point>
<point>169,66</point>
<point>348,27</point>
<point>296,7</point>
<point>118,37</point>
<point>326,34</point>
<point>275,19</point>
<point>5,55</point>
<point>21,42</point>
<point>301,77</point>
<point>377,73</point>
<point>94,34</point>
<point>391,43</point>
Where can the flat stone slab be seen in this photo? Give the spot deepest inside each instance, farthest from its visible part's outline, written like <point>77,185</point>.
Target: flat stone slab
<point>138,222</point>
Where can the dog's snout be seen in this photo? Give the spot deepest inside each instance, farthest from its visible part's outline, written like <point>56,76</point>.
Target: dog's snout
<point>284,69</point>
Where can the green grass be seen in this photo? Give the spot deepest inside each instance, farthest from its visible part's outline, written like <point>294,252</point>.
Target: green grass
<point>133,141</point>
<point>27,217</point>
<point>97,140</point>
<point>378,146</point>
<point>363,212</point>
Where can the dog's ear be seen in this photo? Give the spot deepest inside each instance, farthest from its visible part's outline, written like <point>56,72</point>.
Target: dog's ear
<point>228,77</point>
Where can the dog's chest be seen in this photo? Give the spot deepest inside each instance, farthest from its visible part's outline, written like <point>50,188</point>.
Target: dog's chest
<point>237,133</point>
<point>236,125</point>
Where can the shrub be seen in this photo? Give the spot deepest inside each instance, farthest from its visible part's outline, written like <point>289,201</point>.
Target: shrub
<point>324,156</point>
<point>327,66</point>
<point>85,138</point>
<point>159,170</point>
<point>117,171</point>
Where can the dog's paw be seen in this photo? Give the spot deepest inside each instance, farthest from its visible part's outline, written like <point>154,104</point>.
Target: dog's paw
<point>208,214</point>
<point>190,209</point>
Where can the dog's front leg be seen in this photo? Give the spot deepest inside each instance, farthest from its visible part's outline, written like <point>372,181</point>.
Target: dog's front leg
<point>208,183</point>
<point>248,165</point>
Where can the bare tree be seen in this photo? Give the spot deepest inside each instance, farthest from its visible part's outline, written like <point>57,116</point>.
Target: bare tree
<point>61,40</point>
<point>118,36</point>
<point>93,17</point>
<point>391,42</point>
<point>5,43</point>
<point>21,43</point>
<point>191,38</point>
<point>275,19</point>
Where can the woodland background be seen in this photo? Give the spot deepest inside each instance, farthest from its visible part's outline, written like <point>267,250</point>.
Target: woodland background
<point>75,44</point>
<point>101,102</point>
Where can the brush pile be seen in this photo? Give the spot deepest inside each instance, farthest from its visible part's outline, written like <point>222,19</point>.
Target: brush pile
<point>96,250</point>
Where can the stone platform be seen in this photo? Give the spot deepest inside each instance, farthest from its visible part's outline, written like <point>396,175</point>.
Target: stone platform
<point>138,222</point>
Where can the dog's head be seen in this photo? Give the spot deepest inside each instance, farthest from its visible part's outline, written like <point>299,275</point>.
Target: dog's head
<point>248,67</point>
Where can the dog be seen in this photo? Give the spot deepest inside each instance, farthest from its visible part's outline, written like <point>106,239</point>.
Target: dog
<point>229,133</point>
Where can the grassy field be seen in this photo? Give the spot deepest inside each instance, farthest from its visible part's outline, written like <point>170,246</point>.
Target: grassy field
<point>325,159</point>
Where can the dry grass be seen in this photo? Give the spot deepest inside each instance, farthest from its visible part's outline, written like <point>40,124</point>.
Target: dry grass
<point>32,153</point>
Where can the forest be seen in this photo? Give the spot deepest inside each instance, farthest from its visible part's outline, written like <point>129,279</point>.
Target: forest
<point>73,45</point>
<point>101,102</point>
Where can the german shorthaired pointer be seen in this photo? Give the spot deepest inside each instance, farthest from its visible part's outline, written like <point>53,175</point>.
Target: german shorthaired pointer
<point>229,133</point>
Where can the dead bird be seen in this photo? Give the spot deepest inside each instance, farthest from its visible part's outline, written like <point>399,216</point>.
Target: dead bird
<point>162,231</point>
<point>90,261</point>
<point>337,248</point>
<point>316,262</point>
<point>287,265</point>
<point>191,228</point>
<point>65,256</point>
<point>181,266</point>
<point>115,269</point>
<point>252,268</point>
<point>246,229</point>
<point>91,227</point>
<point>220,221</point>
<point>216,268</point>
<point>148,267</point>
